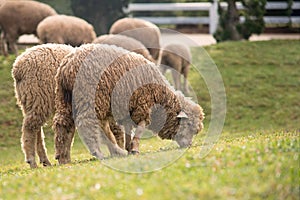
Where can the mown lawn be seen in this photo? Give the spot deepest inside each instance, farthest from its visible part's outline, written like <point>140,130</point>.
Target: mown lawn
<point>256,157</point>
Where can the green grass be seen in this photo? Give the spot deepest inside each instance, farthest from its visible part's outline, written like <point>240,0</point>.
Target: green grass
<point>257,156</point>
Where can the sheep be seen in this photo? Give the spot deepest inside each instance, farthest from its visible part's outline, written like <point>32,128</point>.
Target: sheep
<point>141,30</point>
<point>65,29</point>
<point>178,57</point>
<point>125,42</point>
<point>104,83</point>
<point>18,18</point>
<point>33,73</point>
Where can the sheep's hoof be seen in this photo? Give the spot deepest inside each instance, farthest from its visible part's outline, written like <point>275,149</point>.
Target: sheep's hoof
<point>63,161</point>
<point>46,163</point>
<point>32,164</point>
<point>98,155</point>
<point>57,156</point>
<point>135,152</point>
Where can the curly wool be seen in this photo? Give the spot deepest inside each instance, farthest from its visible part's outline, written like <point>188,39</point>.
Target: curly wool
<point>125,42</point>
<point>33,72</point>
<point>21,17</point>
<point>141,30</point>
<point>65,29</point>
<point>93,72</point>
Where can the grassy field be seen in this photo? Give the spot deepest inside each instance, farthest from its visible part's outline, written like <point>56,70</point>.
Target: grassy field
<point>257,156</point>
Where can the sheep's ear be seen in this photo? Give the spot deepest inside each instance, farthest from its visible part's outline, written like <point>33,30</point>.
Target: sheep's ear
<point>182,115</point>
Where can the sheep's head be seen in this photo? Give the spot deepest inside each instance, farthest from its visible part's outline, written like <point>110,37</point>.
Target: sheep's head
<point>191,117</point>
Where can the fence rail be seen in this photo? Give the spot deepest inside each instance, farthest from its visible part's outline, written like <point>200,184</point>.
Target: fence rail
<point>212,8</point>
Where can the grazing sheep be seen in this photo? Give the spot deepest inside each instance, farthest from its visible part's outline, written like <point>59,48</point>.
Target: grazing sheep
<point>141,30</point>
<point>178,57</point>
<point>18,18</point>
<point>114,84</point>
<point>33,72</point>
<point>125,42</point>
<point>65,29</point>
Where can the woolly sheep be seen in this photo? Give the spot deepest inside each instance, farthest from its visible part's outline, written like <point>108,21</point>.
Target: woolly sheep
<point>102,87</point>
<point>65,29</point>
<point>33,72</point>
<point>141,30</point>
<point>125,42</point>
<point>18,18</point>
<point>178,57</point>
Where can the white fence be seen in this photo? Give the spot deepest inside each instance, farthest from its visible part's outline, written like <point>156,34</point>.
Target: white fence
<point>212,8</point>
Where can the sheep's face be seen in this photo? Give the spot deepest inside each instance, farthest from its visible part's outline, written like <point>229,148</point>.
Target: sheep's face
<point>190,124</point>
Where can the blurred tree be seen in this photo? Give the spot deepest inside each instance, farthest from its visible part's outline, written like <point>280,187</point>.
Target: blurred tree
<point>230,26</point>
<point>100,13</point>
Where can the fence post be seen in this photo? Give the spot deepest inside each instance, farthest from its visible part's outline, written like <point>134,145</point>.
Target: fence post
<point>213,17</point>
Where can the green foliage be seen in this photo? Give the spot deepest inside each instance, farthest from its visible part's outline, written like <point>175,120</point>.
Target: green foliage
<point>100,13</point>
<point>231,28</point>
<point>61,6</point>
<point>257,156</point>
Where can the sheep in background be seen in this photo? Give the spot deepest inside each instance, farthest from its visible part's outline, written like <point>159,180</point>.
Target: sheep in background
<point>178,57</point>
<point>33,72</point>
<point>65,29</point>
<point>141,30</point>
<point>104,83</point>
<point>18,18</point>
<point>125,42</point>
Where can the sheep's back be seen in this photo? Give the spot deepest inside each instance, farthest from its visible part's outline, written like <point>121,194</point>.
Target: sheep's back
<point>142,30</point>
<point>125,42</point>
<point>108,73</point>
<point>33,72</point>
<point>179,50</point>
<point>65,29</point>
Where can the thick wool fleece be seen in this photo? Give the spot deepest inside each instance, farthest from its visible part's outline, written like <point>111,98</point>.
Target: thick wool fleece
<point>21,17</point>
<point>65,29</point>
<point>111,83</point>
<point>125,42</point>
<point>33,72</point>
<point>141,30</point>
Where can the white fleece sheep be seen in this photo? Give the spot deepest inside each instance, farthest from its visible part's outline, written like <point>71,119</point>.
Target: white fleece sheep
<point>18,18</point>
<point>33,72</point>
<point>100,83</point>
<point>141,30</point>
<point>65,29</point>
<point>125,42</point>
<point>178,57</point>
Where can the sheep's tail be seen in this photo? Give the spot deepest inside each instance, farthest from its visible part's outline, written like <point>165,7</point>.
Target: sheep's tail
<point>18,74</point>
<point>67,94</point>
<point>62,89</point>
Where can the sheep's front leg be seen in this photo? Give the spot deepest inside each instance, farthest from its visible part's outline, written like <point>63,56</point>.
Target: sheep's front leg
<point>90,135</point>
<point>127,129</point>
<point>111,142</point>
<point>135,143</point>
<point>185,74</point>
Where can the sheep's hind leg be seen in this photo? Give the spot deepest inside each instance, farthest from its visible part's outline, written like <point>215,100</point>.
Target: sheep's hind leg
<point>63,141</point>
<point>176,79</point>
<point>4,44</point>
<point>118,132</point>
<point>41,148</point>
<point>29,137</point>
